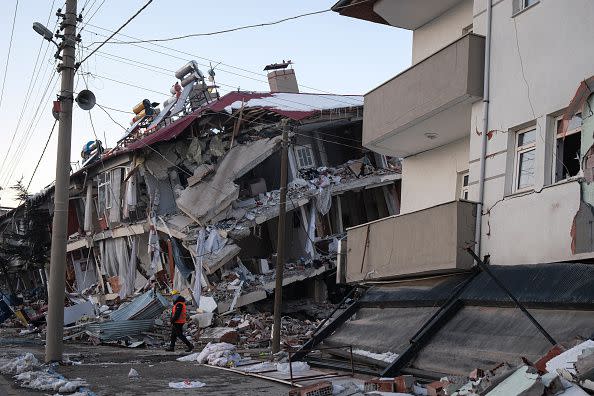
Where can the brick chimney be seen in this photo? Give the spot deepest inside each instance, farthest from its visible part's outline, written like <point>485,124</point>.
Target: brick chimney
<point>282,79</point>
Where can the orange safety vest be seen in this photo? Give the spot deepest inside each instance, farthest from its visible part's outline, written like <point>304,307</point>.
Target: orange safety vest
<point>182,316</point>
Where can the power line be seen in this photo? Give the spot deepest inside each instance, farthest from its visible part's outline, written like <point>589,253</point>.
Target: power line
<point>111,118</point>
<point>16,7</point>
<point>124,61</point>
<point>42,153</point>
<point>125,83</point>
<point>32,83</point>
<point>203,58</point>
<point>116,32</point>
<point>238,28</point>
<point>27,135</point>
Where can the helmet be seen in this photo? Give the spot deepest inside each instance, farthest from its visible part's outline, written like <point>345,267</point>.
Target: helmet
<point>174,292</point>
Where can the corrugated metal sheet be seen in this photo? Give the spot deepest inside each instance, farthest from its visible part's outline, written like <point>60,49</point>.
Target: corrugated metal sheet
<point>115,330</point>
<point>149,305</point>
<point>556,285</point>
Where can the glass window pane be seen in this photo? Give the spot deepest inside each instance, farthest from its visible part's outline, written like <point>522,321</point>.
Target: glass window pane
<point>527,137</point>
<point>526,169</point>
<point>528,3</point>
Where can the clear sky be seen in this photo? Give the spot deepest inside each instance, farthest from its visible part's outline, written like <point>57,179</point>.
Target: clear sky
<point>331,53</point>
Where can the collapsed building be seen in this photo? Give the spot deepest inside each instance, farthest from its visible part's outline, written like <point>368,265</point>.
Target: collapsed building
<point>189,197</point>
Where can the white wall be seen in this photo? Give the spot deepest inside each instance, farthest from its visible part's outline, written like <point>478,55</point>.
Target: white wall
<point>441,31</point>
<point>430,178</point>
<point>554,38</point>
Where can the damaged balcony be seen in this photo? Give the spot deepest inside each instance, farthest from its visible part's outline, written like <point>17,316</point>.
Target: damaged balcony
<point>427,105</point>
<point>427,241</point>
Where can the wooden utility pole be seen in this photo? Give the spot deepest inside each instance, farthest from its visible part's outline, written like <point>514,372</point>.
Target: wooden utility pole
<point>55,313</point>
<point>280,244</point>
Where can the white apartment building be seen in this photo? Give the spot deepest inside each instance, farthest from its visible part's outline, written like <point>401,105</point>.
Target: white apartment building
<point>537,205</point>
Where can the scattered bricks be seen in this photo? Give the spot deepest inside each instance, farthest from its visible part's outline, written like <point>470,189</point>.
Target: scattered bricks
<point>476,374</point>
<point>541,364</point>
<point>319,389</point>
<point>404,383</point>
<point>437,388</point>
<point>380,385</point>
<point>231,337</point>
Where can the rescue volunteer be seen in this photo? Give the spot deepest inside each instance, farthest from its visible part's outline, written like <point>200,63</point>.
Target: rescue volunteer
<point>178,319</point>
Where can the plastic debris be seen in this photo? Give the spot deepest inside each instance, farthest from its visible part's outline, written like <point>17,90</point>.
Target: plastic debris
<point>186,384</point>
<point>20,364</point>
<point>296,367</point>
<point>133,373</point>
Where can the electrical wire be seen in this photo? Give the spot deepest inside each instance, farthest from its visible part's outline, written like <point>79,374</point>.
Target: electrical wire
<point>110,117</point>
<point>42,153</point>
<point>240,27</point>
<point>16,7</point>
<point>132,62</point>
<point>32,84</point>
<point>116,32</point>
<point>206,59</point>
<point>23,143</point>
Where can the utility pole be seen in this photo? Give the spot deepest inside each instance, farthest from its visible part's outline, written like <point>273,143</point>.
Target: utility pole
<point>57,283</point>
<point>280,244</point>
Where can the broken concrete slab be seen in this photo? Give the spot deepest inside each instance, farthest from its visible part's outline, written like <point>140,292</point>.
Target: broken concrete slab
<point>200,173</point>
<point>217,334</point>
<point>213,261</point>
<point>203,319</point>
<point>206,199</point>
<point>207,304</point>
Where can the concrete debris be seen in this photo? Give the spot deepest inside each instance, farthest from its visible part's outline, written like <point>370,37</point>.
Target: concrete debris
<point>387,357</point>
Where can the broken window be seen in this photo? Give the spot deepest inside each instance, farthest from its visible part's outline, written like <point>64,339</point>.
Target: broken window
<point>520,5</point>
<point>525,159</point>
<point>464,179</point>
<point>104,193</point>
<point>566,159</point>
<point>304,156</point>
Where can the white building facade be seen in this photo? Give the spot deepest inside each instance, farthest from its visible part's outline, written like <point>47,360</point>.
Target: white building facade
<point>537,205</point>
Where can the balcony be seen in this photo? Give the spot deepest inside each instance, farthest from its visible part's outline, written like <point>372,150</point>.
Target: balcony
<point>406,14</point>
<point>425,242</point>
<point>427,105</point>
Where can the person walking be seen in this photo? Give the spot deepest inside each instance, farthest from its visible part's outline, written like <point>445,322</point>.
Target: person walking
<point>178,319</point>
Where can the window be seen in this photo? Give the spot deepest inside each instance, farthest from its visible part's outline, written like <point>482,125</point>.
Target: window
<point>104,192</point>
<point>304,156</point>
<point>525,159</point>
<point>566,157</point>
<point>463,180</point>
<point>520,5</point>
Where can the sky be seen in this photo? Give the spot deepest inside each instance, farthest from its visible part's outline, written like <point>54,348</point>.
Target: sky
<point>331,53</point>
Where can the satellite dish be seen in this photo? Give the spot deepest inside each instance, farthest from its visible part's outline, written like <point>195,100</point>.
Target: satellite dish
<point>86,99</point>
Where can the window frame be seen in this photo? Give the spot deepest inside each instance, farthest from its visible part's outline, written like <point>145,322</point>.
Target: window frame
<point>557,136</point>
<point>518,151</point>
<point>463,192</point>
<point>304,148</point>
<point>519,6</point>
<point>104,184</point>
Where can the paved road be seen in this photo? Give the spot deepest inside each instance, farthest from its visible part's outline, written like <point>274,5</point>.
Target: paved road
<point>106,370</point>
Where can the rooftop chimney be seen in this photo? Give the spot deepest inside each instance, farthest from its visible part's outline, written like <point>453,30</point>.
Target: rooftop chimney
<point>282,79</point>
